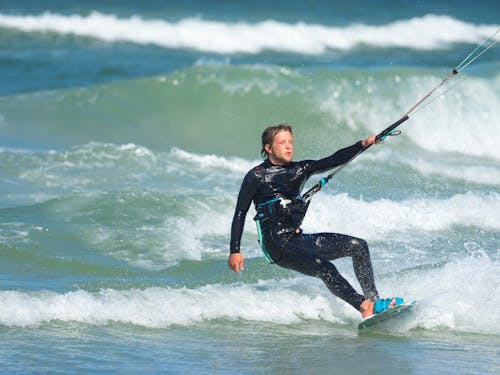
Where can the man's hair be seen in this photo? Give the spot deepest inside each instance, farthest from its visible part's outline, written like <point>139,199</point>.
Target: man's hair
<point>269,133</point>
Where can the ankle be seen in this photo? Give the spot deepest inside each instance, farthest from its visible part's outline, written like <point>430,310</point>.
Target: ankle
<point>366,308</point>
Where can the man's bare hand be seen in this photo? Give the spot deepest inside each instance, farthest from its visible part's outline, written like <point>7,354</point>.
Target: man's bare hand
<point>369,141</point>
<point>235,262</point>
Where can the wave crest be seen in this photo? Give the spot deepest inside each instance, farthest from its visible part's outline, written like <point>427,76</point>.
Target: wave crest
<point>241,37</point>
<point>447,296</point>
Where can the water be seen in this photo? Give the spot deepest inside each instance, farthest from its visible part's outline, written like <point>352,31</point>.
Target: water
<point>126,130</point>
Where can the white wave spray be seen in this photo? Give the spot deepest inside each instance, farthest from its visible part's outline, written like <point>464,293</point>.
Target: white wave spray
<point>449,297</point>
<point>426,33</point>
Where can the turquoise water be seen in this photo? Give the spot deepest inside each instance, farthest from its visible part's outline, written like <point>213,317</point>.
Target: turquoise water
<point>126,132</point>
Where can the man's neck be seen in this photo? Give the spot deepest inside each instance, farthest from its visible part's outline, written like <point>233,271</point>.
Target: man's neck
<point>275,162</point>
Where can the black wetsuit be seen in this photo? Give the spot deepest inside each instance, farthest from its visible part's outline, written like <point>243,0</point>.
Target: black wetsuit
<point>288,247</point>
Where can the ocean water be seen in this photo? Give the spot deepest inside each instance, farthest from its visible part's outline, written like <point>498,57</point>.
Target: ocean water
<point>126,129</point>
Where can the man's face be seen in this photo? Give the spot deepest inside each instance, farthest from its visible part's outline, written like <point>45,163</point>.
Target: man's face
<point>280,152</point>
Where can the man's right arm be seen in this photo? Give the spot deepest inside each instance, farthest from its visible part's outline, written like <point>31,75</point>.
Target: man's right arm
<point>245,197</point>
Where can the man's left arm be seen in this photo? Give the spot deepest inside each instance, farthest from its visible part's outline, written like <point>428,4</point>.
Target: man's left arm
<point>340,157</point>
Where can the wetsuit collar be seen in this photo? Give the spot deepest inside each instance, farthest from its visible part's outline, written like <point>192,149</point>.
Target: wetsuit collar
<point>268,163</point>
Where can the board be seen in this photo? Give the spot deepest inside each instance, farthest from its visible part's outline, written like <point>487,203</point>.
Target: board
<point>384,315</point>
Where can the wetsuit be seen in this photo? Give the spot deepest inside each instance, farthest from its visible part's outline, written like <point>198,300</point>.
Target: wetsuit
<point>267,185</point>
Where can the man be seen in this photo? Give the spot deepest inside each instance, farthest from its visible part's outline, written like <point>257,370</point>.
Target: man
<point>274,186</point>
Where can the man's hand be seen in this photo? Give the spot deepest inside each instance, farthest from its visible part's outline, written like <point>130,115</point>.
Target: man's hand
<point>369,141</point>
<point>235,262</point>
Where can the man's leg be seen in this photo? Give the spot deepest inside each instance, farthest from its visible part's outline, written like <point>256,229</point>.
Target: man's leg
<point>300,255</point>
<point>334,246</point>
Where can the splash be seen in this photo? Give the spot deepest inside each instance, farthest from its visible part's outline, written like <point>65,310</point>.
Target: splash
<point>240,37</point>
<point>450,297</point>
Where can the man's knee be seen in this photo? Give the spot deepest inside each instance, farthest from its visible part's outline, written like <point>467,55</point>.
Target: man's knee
<point>360,245</point>
<point>324,268</point>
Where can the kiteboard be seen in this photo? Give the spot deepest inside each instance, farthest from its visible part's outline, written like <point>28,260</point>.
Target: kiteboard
<point>384,315</point>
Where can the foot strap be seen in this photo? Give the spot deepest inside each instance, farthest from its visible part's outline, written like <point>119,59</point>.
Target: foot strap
<point>383,304</point>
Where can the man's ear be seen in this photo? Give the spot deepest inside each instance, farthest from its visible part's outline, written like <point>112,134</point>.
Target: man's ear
<point>268,149</point>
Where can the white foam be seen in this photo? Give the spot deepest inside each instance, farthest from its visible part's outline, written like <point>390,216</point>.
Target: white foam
<point>463,296</point>
<point>479,174</point>
<point>99,164</point>
<point>463,120</point>
<point>202,231</point>
<point>449,167</point>
<point>383,217</point>
<point>231,164</point>
<point>92,164</point>
<point>162,307</point>
<point>427,32</point>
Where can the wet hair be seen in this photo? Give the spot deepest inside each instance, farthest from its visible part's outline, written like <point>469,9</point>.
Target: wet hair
<point>269,133</point>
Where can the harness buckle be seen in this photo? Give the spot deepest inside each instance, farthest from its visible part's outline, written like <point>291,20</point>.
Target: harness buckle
<point>285,202</point>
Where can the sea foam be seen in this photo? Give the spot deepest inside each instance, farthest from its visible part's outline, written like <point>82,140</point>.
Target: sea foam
<point>450,297</point>
<point>383,217</point>
<point>426,33</point>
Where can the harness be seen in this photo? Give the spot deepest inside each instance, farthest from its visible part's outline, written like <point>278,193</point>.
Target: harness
<point>289,211</point>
